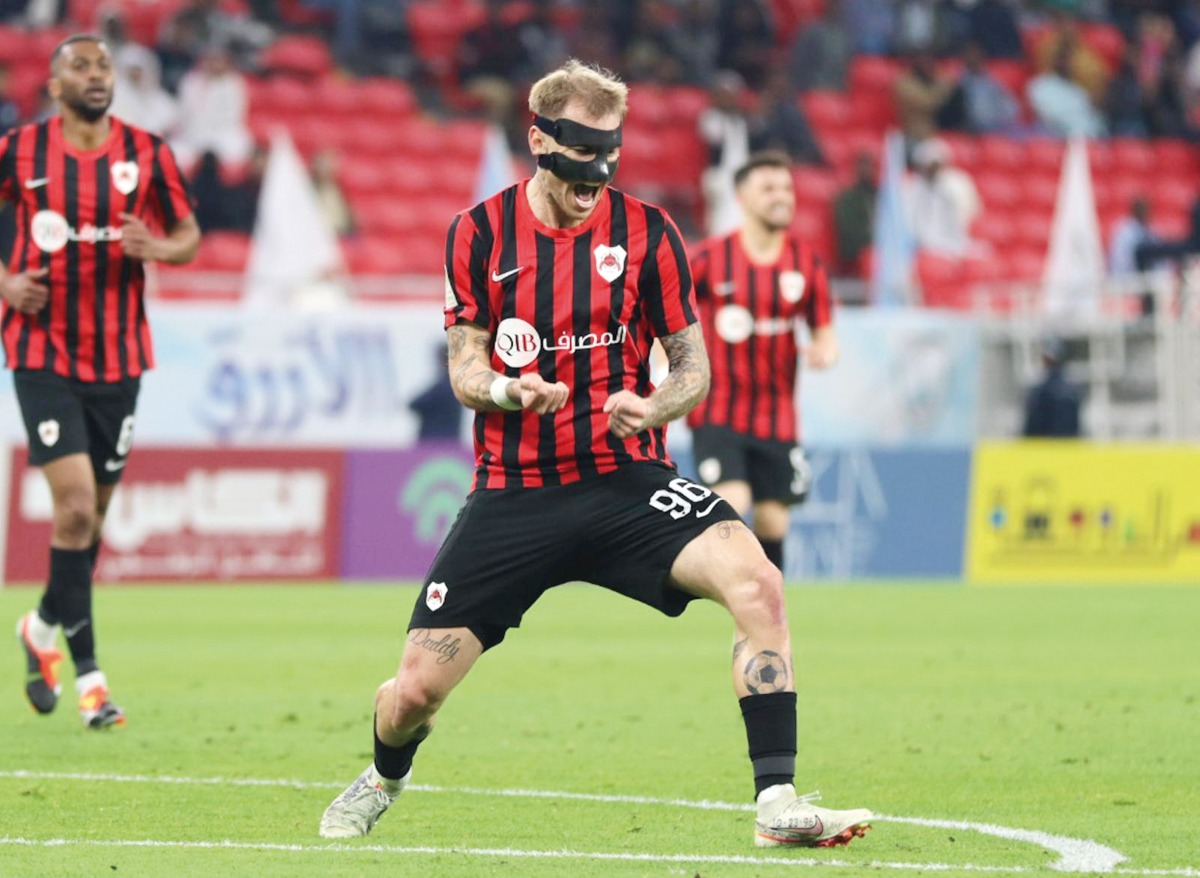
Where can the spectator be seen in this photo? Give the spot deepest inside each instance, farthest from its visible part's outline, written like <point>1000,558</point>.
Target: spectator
<point>693,41</point>
<point>779,123</point>
<point>1052,406</point>
<point>330,197</point>
<point>213,105</point>
<point>993,25</point>
<point>1148,253</point>
<point>1125,102</point>
<point>872,23</point>
<point>724,128</point>
<point>140,98</point>
<point>1061,105</point>
<point>941,201</point>
<point>10,113</point>
<point>201,24</point>
<point>747,40</point>
<point>921,93</point>
<point>986,104</point>
<point>1130,232</point>
<point>489,60</point>
<point>243,194</point>
<point>212,196</point>
<point>923,26</point>
<point>1063,51</point>
<point>436,407</point>
<point>854,216</point>
<point>820,55</point>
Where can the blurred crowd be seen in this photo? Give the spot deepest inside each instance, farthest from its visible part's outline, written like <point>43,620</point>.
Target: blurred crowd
<point>1123,68</point>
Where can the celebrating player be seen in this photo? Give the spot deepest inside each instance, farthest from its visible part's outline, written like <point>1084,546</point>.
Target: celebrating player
<point>753,286</point>
<point>75,334</point>
<point>555,290</point>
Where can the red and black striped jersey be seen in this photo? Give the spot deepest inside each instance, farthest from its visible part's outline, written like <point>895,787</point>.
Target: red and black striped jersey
<point>579,305</point>
<point>750,313</point>
<point>68,203</point>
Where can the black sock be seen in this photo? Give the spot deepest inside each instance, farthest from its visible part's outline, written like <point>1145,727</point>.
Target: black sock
<point>774,550</point>
<point>94,554</point>
<point>771,731</point>
<point>70,600</point>
<point>395,762</point>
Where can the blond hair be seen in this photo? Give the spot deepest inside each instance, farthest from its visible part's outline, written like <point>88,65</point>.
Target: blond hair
<point>597,88</point>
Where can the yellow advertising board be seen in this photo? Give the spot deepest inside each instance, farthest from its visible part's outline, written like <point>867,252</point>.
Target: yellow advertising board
<point>1067,511</point>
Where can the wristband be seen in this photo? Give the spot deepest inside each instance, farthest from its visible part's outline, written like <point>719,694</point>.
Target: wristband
<point>499,391</point>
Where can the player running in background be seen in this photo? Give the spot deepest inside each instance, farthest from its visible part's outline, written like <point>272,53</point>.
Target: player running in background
<point>556,288</point>
<point>74,328</point>
<point>753,286</point>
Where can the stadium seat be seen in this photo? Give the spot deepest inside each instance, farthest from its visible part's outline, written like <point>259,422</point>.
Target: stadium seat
<point>874,110</point>
<point>1039,191</point>
<point>964,148</point>
<point>298,55</point>
<point>223,251</point>
<point>942,281</point>
<point>281,96</point>
<point>873,73</point>
<point>687,103</point>
<point>997,227</point>
<point>389,215</point>
<point>1133,156</point>
<point>1045,155</point>
<point>1176,156</point>
<point>1033,230</point>
<point>375,254</point>
<point>998,189</point>
<point>437,28</point>
<point>1025,263</point>
<point>998,153</point>
<point>338,98</point>
<point>383,96</point>
<point>1100,157</point>
<point>829,112</point>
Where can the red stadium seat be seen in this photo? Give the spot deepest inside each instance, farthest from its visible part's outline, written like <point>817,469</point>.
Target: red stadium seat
<point>282,96</point>
<point>998,189</point>
<point>997,227</point>
<point>223,251</point>
<point>873,73</point>
<point>815,186</point>
<point>388,215</point>
<point>1100,157</point>
<point>1133,156</point>
<point>687,103</point>
<point>1039,191</point>
<point>299,56</point>
<point>1045,155</point>
<point>1025,263</point>
<point>1033,230</point>
<point>1176,156</point>
<point>1001,154</point>
<point>964,148</point>
<point>338,98</point>
<point>437,28</point>
<point>383,96</point>
<point>875,110</point>
<point>828,111</point>
<point>374,254</point>
<point>942,281</point>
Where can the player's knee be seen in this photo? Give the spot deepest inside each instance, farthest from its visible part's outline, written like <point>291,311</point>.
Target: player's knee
<point>416,699</point>
<point>761,591</point>
<point>75,517</point>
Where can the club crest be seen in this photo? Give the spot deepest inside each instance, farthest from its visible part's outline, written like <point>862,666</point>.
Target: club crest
<point>48,432</point>
<point>610,262</point>
<point>435,595</point>
<point>791,285</point>
<point>125,176</point>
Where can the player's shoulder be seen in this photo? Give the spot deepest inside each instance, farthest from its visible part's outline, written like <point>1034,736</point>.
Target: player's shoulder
<point>12,135</point>
<point>712,243</point>
<point>633,202</point>
<point>482,212</point>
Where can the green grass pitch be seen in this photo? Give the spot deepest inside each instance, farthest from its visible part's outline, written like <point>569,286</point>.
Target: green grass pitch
<point>1072,714</point>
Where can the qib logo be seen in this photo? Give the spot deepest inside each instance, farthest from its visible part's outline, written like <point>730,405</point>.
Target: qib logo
<point>517,343</point>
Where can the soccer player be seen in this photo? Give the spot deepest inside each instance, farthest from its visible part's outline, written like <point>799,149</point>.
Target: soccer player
<point>555,289</point>
<point>87,189</point>
<point>753,286</point>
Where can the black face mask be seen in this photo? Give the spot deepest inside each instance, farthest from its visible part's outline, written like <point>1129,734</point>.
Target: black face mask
<point>595,172</point>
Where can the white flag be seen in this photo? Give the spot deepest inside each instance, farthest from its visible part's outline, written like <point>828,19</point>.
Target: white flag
<point>1074,272</point>
<point>294,249</point>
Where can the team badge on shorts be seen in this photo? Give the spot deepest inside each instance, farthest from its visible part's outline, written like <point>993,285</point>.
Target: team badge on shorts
<point>435,595</point>
<point>48,432</point>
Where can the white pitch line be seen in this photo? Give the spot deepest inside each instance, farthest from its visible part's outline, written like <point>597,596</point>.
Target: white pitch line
<point>1075,855</point>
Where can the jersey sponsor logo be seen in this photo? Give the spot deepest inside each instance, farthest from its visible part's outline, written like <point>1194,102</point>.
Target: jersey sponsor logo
<point>48,432</point>
<point>791,286</point>
<point>51,232</point>
<point>518,343</point>
<point>610,261</point>
<point>125,176</point>
<point>435,595</point>
<point>735,324</point>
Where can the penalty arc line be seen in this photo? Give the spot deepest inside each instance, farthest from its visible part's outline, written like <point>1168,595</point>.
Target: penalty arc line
<point>1075,855</point>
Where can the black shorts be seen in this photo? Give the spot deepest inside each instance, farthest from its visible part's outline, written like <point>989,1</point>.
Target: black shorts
<point>622,531</point>
<point>64,416</point>
<point>774,470</point>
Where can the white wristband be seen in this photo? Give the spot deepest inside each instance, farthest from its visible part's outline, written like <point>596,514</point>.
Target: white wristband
<point>499,391</point>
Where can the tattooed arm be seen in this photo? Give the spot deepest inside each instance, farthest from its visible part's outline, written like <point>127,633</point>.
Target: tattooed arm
<point>685,385</point>
<point>471,375</point>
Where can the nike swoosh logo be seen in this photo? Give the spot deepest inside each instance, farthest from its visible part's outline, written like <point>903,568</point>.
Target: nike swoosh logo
<point>497,277</point>
<point>34,184</point>
<point>113,465</point>
<point>75,629</point>
<point>710,508</point>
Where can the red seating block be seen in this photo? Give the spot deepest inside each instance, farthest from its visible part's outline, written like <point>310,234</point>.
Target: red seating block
<point>298,55</point>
